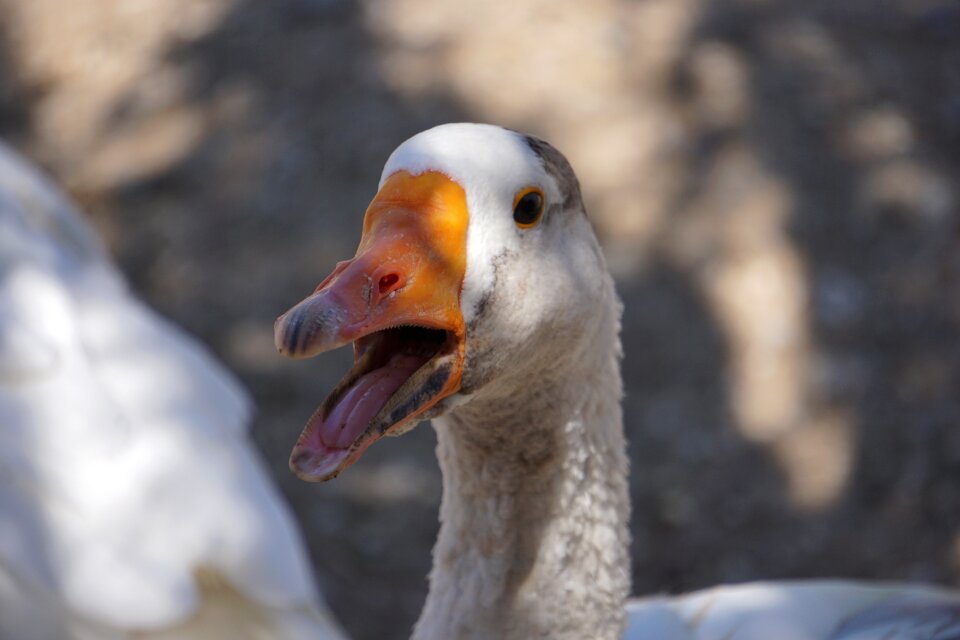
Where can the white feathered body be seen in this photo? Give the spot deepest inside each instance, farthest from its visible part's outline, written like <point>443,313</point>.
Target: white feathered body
<point>131,501</point>
<point>799,610</point>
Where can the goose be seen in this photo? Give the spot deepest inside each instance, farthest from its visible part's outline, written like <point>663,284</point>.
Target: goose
<point>479,298</point>
<point>132,504</point>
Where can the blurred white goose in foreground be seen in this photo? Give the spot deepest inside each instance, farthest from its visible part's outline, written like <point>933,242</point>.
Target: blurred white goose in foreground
<point>479,297</point>
<point>131,503</point>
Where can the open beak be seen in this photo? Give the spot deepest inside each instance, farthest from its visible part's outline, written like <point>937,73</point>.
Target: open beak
<point>398,302</point>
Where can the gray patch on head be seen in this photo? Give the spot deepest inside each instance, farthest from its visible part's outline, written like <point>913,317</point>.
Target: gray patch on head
<point>478,352</point>
<point>559,167</point>
<point>481,308</point>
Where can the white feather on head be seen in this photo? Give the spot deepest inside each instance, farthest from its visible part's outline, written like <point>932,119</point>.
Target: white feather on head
<point>491,164</point>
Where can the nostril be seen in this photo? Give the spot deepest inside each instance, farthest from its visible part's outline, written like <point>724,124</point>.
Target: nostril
<point>388,283</point>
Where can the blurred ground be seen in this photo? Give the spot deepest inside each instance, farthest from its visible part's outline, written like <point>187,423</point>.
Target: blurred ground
<point>776,185</point>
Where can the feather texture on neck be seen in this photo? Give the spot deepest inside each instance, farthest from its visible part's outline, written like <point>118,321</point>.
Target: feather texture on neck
<point>533,541</point>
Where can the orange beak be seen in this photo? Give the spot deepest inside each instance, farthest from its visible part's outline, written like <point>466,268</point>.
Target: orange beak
<point>398,302</point>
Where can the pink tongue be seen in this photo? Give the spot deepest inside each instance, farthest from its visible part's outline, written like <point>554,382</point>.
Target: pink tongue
<point>351,415</point>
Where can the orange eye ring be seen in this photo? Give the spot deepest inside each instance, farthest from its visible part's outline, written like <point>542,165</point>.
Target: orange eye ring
<point>528,207</point>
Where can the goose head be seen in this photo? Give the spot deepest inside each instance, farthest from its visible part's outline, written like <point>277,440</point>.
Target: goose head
<point>476,272</point>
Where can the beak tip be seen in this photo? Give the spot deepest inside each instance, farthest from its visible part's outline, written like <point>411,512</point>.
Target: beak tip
<point>280,337</point>
<point>315,325</point>
<point>287,333</point>
<point>316,466</point>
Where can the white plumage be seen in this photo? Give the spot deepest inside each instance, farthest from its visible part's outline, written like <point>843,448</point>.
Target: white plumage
<point>802,610</point>
<point>533,540</point>
<point>131,502</point>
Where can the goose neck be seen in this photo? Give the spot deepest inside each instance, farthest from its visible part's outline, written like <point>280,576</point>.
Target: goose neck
<point>534,539</point>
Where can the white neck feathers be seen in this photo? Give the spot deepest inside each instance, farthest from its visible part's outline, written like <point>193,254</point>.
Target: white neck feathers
<point>533,540</point>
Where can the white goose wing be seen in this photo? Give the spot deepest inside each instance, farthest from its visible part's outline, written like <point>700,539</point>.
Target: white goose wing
<point>130,497</point>
<point>814,610</point>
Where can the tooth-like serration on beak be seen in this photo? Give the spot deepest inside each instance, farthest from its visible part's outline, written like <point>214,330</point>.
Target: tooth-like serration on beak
<point>311,327</point>
<point>407,272</point>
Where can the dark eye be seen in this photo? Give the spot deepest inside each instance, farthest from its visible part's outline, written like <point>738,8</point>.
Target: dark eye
<point>528,207</point>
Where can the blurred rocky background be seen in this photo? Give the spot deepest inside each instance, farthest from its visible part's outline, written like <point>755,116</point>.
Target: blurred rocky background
<point>775,183</point>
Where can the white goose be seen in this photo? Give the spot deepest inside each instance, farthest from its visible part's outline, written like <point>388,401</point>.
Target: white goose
<point>131,503</point>
<point>479,297</point>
